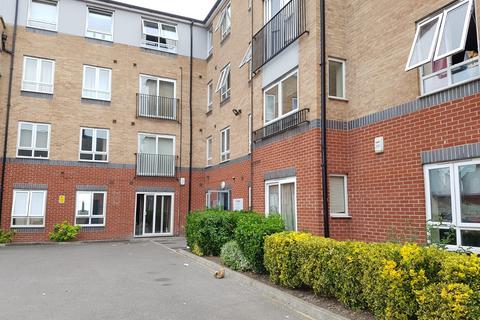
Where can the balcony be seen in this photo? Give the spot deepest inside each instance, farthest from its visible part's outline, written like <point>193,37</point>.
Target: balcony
<point>149,106</point>
<point>155,165</point>
<point>291,121</point>
<point>278,33</point>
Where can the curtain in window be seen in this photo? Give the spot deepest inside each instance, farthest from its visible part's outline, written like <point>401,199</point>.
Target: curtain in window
<point>101,22</point>
<point>337,195</point>
<point>469,179</point>
<point>43,11</point>
<point>289,94</point>
<point>288,205</point>
<point>104,83</point>
<point>26,135</point>
<point>273,199</point>
<point>165,146</point>
<point>147,144</point>
<point>440,195</point>
<point>42,137</point>
<point>36,204</point>
<point>20,204</point>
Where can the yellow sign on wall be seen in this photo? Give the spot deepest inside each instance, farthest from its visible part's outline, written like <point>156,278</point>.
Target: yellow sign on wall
<point>61,199</point>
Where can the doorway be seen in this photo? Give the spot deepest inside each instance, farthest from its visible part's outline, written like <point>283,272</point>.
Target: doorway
<point>154,214</point>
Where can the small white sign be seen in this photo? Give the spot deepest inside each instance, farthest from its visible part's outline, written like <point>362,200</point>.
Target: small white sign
<point>238,204</point>
<point>378,144</point>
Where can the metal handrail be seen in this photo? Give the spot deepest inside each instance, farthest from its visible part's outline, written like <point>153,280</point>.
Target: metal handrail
<point>151,106</point>
<point>155,165</point>
<point>281,125</point>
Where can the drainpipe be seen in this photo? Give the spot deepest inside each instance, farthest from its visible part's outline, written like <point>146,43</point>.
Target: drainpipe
<point>251,113</point>
<point>9,103</point>
<point>326,220</point>
<point>190,122</point>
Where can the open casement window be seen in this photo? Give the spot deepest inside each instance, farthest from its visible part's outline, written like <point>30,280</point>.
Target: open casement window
<point>210,96</point>
<point>218,199</point>
<point>43,14</point>
<point>225,22</point>
<point>28,209</point>
<point>38,75</point>
<point>96,83</point>
<point>223,84</point>
<point>33,140</point>
<point>280,197</point>
<point>94,144</point>
<point>441,35</point>
<point>90,208</point>
<point>338,196</point>
<point>159,36</point>
<point>453,203</point>
<point>225,145</point>
<point>99,24</point>
<point>247,56</point>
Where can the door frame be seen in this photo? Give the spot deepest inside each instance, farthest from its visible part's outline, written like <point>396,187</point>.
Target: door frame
<point>172,214</point>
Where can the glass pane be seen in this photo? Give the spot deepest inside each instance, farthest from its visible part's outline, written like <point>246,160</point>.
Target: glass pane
<point>26,130</point>
<point>86,156</point>
<point>470,193</point>
<point>87,140</point>
<point>440,195</point>
<point>101,144</point>
<point>227,140</point>
<point>337,194</point>
<point>167,212</point>
<point>465,72</point>
<point>470,238</point>
<point>435,83</point>
<point>36,204</point>
<point>46,75</point>
<point>166,89</point>
<point>271,104</point>
<point>31,69</point>
<point>101,157</point>
<point>90,75</point>
<point>151,28</point>
<point>149,206</point>
<point>148,144</point>
<point>289,94</point>
<point>443,236</point>
<point>20,204</point>
<point>425,42</point>
<point>82,221</point>
<point>99,21</point>
<point>455,22</point>
<point>40,154</point>
<point>335,79</point>
<point>43,11</point>
<point>83,203</point>
<point>288,205</point>
<point>35,221</point>
<point>42,136</point>
<point>139,215</point>
<point>24,153</point>
<point>98,202</point>
<point>165,146</point>
<point>104,80</point>
<point>19,221</point>
<point>273,199</point>
<point>158,215</point>
<point>97,221</point>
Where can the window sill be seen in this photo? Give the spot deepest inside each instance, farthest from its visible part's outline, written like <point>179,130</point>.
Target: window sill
<point>41,30</point>
<point>99,41</point>
<point>93,161</point>
<point>209,56</point>
<point>225,37</point>
<point>36,94</point>
<point>159,51</point>
<point>340,216</point>
<point>337,98</point>
<point>225,161</point>
<point>224,101</point>
<point>96,101</point>
<point>209,112</point>
<point>33,158</point>
<point>21,229</point>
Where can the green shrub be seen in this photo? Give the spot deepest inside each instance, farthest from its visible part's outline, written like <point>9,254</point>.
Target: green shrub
<point>6,236</point>
<point>207,231</point>
<point>250,234</point>
<point>393,281</point>
<point>232,257</point>
<point>64,232</point>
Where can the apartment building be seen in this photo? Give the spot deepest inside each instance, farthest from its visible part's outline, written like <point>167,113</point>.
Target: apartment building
<point>122,118</point>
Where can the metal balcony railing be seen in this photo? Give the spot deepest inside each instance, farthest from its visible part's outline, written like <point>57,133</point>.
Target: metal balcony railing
<point>281,125</point>
<point>155,165</point>
<point>278,33</point>
<point>150,106</point>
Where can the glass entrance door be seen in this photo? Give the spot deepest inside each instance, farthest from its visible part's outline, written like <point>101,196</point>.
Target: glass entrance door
<point>154,214</point>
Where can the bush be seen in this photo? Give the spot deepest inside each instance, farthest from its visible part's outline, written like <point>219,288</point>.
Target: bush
<point>232,257</point>
<point>207,231</point>
<point>250,234</point>
<point>6,236</point>
<point>393,281</point>
<point>64,232</point>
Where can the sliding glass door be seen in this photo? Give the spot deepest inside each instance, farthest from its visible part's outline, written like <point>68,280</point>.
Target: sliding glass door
<point>154,214</point>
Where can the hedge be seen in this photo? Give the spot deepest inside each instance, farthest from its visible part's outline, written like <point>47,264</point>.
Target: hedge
<point>232,256</point>
<point>393,281</point>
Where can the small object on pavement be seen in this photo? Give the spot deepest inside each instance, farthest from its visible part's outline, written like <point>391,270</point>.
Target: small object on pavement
<point>185,264</point>
<point>220,274</point>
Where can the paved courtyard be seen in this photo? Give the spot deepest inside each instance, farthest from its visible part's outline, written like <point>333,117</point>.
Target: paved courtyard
<point>123,280</point>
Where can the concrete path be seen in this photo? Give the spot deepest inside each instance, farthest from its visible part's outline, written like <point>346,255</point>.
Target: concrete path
<point>124,280</point>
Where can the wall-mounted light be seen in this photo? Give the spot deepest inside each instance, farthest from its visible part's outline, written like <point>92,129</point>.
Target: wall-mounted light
<point>236,111</point>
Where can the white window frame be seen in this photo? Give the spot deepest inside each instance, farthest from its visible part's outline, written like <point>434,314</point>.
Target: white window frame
<point>157,137</point>
<point>247,57</point>
<point>345,199</point>
<point>90,215</point>
<point>208,197</point>
<point>34,140</point>
<point>344,71</point>
<point>209,42</point>
<point>97,82</point>
<point>39,70</point>
<point>95,34</point>
<point>93,152</point>
<point>224,152</point>
<point>167,35</point>
<point>28,205</point>
<point>279,83</point>
<point>267,16</point>
<point>250,126</point>
<point>223,85</point>
<point>210,95</point>
<point>225,28</point>
<point>279,182</point>
<point>455,199</point>
<point>30,20</point>
<point>209,149</point>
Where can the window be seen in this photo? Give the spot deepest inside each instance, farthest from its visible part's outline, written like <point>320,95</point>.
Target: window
<point>99,24</point>
<point>247,56</point>
<point>157,97</point>
<point>94,144</point>
<point>453,203</point>
<point>445,48</point>
<point>28,209</point>
<point>224,83</point>
<point>281,98</point>
<point>159,36</point>
<point>249,133</point>
<point>33,140</point>
<point>38,75</point>
<point>90,208</point>
<point>338,196</point>
<point>280,197</point>
<point>210,96</point>
<point>96,83</point>
<point>272,7</point>
<point>156,155</point>
<point>336,78</point>
<point>209,42</point>
<point>225,22</point>
<point>209,151</point>
<point>43,14</point>
<point>225,144</point>
<point>218,199</point>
